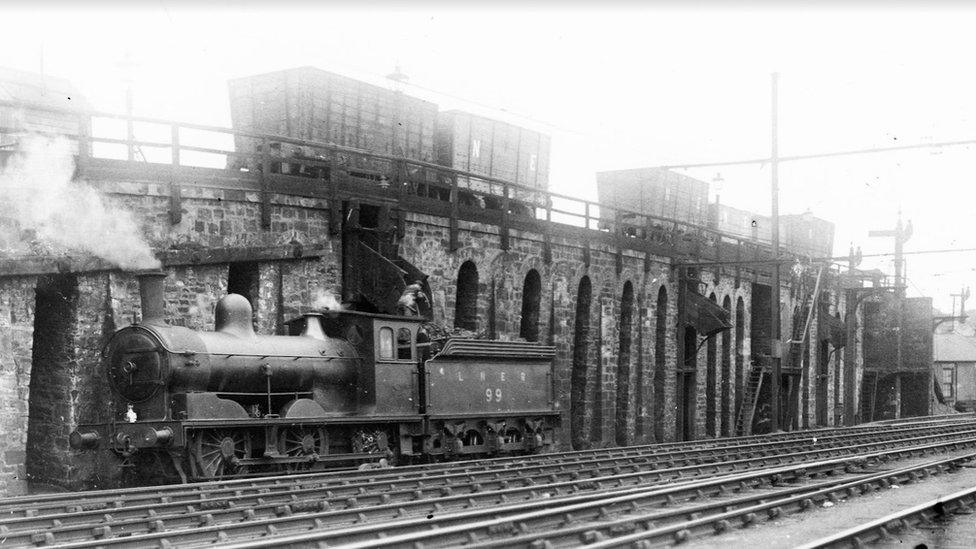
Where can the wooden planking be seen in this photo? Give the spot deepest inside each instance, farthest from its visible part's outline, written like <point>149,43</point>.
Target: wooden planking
<point>504,151</point>
<point>313,104</point>
<point>655,192</point>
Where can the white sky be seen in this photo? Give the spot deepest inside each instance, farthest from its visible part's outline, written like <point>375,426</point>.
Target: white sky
<point>622,87</point>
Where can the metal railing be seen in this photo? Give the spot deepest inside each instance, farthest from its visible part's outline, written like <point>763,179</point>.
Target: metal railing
<point>249,155</point>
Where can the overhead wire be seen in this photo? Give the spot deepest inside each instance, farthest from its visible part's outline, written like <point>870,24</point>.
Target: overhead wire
<point>762,160</point>
<point>834,154</point>
<point>837,261</point>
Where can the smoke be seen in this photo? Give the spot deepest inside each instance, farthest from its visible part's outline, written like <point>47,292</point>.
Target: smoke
<point>44,211</point>
<point>326,300</point>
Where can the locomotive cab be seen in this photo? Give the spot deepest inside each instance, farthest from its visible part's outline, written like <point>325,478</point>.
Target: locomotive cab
<point>389,374</point>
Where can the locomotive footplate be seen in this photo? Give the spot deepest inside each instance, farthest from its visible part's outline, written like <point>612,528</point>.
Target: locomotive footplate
<point>323,421</point>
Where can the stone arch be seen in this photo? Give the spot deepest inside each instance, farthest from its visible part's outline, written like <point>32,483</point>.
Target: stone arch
<point>660,360</point>
<point>627,276</point>
<point>711,390</point>
<point>504,282</point>
<point>432,257</point>
<point>578,376</point>
<point>466,302</point>
<point>726,402</point>
<point>531,306</point>
<point>625,338</point>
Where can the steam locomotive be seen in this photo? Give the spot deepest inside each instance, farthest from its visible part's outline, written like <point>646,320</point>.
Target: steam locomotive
<point>345,388</point>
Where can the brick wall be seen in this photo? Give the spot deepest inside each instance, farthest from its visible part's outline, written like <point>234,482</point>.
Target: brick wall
<point>215,218</point>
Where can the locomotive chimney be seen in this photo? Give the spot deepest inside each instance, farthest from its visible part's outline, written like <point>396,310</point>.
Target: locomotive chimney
<point>313,326</point>
<point>151,296</point>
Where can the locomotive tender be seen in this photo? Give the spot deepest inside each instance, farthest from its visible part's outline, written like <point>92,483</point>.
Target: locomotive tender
<point>346,387</point>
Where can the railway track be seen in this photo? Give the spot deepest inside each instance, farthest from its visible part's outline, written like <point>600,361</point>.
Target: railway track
<point>666,455</point>
<point>612,511</point>
<point>434,479</point>
<point>224,514</point>
<point>642,518</point>
<point>883,530</point>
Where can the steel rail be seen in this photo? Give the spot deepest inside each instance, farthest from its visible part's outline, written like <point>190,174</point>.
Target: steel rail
<point>24,505</point>
<point>921,420</point>
<point>47,514</point>
<point>785,503</point>
<point>772,509</point>
<point>209,531</point>
<point>21,504</point>
<point>520,460</point>
<point>521,526</point>
<point>134,517</point>
<point>603,524</point>
<point>881,529</point>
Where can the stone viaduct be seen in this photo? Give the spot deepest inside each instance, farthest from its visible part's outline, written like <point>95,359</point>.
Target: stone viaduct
<point>605,292</point>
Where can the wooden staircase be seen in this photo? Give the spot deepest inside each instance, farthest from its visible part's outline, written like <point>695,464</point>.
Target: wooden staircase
<point>802,319</point>
<point>750,398</point>
<point>869,395</point>
<point>796,346</point>
<point>799,344</point>
<point>374,275</point>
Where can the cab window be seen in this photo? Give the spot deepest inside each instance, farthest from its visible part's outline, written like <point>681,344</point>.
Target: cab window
<point>404,344</point>
<point>386,343</point>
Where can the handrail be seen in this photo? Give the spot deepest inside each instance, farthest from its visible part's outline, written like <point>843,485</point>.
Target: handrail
<point>611,219</point>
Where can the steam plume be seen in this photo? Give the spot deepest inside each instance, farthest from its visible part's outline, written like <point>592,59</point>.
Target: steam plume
<point>39,196</point>
<point>326,300</point>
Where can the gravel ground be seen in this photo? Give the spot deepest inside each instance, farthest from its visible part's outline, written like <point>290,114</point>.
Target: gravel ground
<point>809,526</point>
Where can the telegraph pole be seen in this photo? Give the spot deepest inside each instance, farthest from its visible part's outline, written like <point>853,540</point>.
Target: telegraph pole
<point>963,295</point>
<point>901,234</point>
<point>850,324</point>
<point>953,313</point>
<point>775,348</point>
